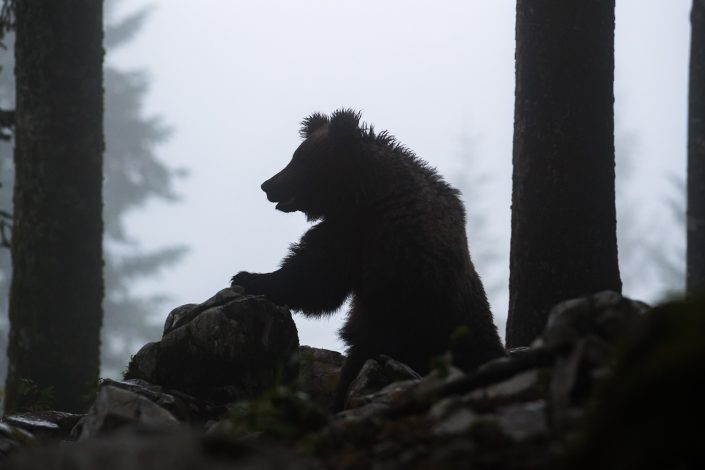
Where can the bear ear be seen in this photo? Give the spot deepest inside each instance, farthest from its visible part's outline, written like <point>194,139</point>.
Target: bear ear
<point>312,123</point>
<point>345,125</point>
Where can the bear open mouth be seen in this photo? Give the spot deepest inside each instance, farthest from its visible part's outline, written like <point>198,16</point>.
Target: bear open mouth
<point>288,205</point>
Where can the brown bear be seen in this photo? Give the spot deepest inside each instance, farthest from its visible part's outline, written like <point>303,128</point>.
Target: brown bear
<point>391,234</point>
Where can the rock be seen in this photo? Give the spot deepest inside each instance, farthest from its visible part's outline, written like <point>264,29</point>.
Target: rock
<point>450,435</point>
<point>585,330</point>
<point>45,424</point>
<point>649,412</point>
<point>182,450</point>
<point>574,375</point>
<point>182,406</point>
<point>605,314</point>
<point>515,412</point>
<point>234,347</point>
<point>456,422</point>
<point>429,386</point>
<point>525,386</point>
<point>185,313</point>
<point>522,421</point>
<point>115,408</point>
<point>318,374</point>
<point>180,316</point>
<point>376,375</point>
<point>363,412</point>
<point>516,352</point>
<point>398,371</point>
<point>398,393</point>
<point>12,438</point>
<point>444,407</point>
<point>498,364</point>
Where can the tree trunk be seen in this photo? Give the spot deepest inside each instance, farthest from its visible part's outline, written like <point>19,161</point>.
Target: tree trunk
<point>57,285</point>
<point>564,241</point>
<point>695,277</point>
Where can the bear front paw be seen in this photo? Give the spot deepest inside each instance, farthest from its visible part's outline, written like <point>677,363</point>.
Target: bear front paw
<point>252,283</point>
<point>242,279</point>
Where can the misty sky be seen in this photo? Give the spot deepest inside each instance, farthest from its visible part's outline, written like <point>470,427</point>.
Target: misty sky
<point>234,79</point>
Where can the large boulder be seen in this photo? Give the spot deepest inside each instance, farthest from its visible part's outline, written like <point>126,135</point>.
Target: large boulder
<point>233,346</point>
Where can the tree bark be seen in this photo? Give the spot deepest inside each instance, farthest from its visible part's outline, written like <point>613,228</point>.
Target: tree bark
<point>564,241</point>
<point>695,277</point>
<point>57,285</point>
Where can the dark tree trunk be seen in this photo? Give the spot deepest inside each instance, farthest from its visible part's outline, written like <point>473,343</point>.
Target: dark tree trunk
<point>564,241</point>
<point>695,278</point>
<point>57,285</point>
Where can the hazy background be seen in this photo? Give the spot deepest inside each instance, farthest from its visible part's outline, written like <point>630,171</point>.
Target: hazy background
<point>234,79</point>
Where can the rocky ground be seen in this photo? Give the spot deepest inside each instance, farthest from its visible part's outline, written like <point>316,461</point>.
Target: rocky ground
<point>610,384</point>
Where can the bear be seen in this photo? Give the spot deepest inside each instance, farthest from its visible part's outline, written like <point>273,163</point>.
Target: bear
<point>390,234</point>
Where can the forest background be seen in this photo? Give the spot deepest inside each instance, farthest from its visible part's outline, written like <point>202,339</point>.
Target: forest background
<point>232,82</point>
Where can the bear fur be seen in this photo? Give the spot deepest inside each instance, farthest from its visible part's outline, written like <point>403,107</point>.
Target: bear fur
<point>391,234</point>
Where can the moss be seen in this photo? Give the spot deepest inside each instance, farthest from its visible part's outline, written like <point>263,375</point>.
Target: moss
<point>279,413</point>
<point>31,397</point>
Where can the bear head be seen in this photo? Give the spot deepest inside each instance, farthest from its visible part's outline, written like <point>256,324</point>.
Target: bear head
<point>324,174</point>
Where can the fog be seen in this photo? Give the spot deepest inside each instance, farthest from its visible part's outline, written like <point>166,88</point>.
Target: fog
<point>234,79</point>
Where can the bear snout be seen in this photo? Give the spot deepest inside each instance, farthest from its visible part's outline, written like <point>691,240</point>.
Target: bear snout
<point>277,192</point>
<point>267,186</point>
<point>272,189</point>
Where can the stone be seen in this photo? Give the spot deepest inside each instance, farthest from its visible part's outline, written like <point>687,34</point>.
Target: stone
<point>182,406</point>
<point>456,422</point>
<point>180,316</point>
<point>524,385</point>
<point>585,330</point>
<point>374,376</point>
<point>115,408</point>
<point>180,450</point>
<point>606,314</point>
<point>186,313</point>
<point>45,424</point>
<point>318,374</point>
<point>235,347</point>
<point>12,438</point>
<point>363,412</point>
<point>522,421</point>
<point>444,407</point>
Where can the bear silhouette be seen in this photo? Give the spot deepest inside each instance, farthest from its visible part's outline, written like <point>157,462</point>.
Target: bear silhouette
<point>390,234</point>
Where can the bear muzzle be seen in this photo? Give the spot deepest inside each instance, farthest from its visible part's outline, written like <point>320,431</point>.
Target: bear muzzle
<point>285,202</point>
